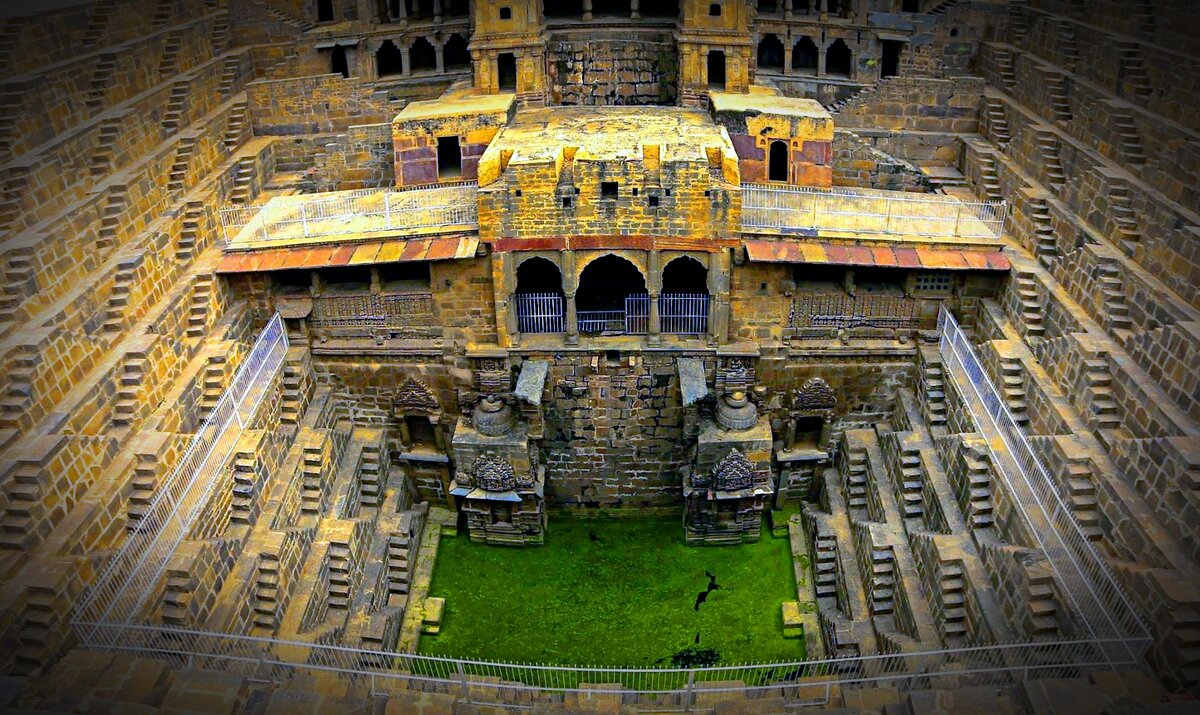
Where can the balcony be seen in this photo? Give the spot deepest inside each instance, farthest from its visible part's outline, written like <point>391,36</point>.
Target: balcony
<point>870,214</point>
<point>350,215</point>
<point>677,314</point>
<point>375,315</point>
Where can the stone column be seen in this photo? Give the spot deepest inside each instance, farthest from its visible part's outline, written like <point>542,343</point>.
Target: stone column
<point>407,68</point>
<point>402,11</point>
<point>787,9</point>
<point>437,10</point>
<point>654,288</point>
<point>376,286</point>
<point>787,55</point>
<point>821,61</point>
<point>568,274</point>
<point>634,7</point>
<point>440,53</point>
<point>587,9</point>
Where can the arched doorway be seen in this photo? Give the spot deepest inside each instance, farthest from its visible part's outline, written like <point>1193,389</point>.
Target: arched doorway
<point>777,161</point>
<point>612,297</point>
<point>838,59</point>
<point>506,71</point>
<point>683,305</point>
<point>539,297</point>
<point>324,10</point>
<point>388,59</point>
<point>422,56</point>
<point>455,53</point>
<point>805,56</point>
<point>770,53</point>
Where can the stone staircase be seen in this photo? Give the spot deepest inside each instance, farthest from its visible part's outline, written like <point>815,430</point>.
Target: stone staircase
<point>16,185</point>
<point>825,562</point>
<point>102,158</point>
<point>169,63</point>
<point>10,111</point>
<point>1133,69</point>
<point>1048,148</point>
<point>978,508</point>
<point>162,14</point>
<point>212,385</point>
<point>19,281</point>
<point>229,75</point>
<point>220,34</point>
<point>18,526</point>
<point>198,307</point>
<point>997,123</point>
<point>1060,99</point>
<point>1112,292</point>
<point>883,580</point>
<point>932,388</point>
<point>312,493</point>
<point>266,592</point>
<point>1018,23</point>
<point>1102,407</point>
<point>1143,18</point>
<point>1129,140</point>
<point>118,299</point>
<point>173,115</point>
<point>1032,318</point>
<point>856,477</point>
<point>245,487</point>
<point>110,218</point>
<point>235,131</point>
<point>294,399</point>
<point>189,232</point>
<point>1005,68</point>
<point>18,390</point>
<point>1082,492</point>
<point>302,24</point>
<point>177,176</point>
<point>10,35</point>
<point>952,588</point>
<point>1129,235</point>
<point>989,178</point>
<point>243,182</point>
<point>371,476</point>
<point>102,75</point>
<point>98,23</point>
<point>1045,245</point>
<point>39,631</point>
<point>1012,384</point>
<point>144,487</point>
<point>339,564</point>
<point>1068,43</point>
<point>1043,606</point>
<point>911,484</point>
<point>133,371</point>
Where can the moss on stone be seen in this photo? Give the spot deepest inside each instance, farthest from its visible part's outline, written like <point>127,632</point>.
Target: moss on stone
<point>613,593</point>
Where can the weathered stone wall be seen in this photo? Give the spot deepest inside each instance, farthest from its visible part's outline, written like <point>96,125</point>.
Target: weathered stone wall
<point>359,159</point>
<point>857,163</point>
<point>612,68</point>
<point>322,103</point>
<point>920,103</point>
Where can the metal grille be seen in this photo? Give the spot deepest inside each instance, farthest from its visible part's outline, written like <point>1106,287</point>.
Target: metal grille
<point>540,313</point>
<point>683,313</point>
<point>634,320</point>
<point>841,310</point>
<point>799,208</point>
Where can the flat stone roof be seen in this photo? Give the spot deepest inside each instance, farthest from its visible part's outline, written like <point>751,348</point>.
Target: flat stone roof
<point>456,105</point>
<point>610,133</point>
<point>768,104</point>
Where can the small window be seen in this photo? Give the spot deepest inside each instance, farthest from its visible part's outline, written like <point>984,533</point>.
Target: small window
<point>612,357</point>
<point>714,10</point>
<point>652,201</point>
<point>934,282</point>
<point>566,202</point>
<point>449,158</point>
<point>420,433</point>
<point>777,161</point>
<point>808,433</point>
<point>506,71</point>
<point>635,191</point>
<point>506,13</point>
<point>608,189</point>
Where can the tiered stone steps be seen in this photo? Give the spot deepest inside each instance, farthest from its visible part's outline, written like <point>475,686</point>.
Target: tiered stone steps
<point>102,158</point>
<point>1048,148</point>
<point>127,406</point>
<point>173,116</point>
<point>825,563</point>
<point>339,575</point>
<point>193,213</point>
<point>235,131</point>
<point>1032,318</point>
<point>371,476</point>
<point>212,385</point>
<point>997,123</point>
<point>1043,606</point>
<point>1101,404</point>
<point>932,387</point>
<point>98,22</point>
<point>243,182</point>
<point>25,507</point>
<point>1060,101</point>
<point>856,478</point>
<point>1084,505</point>
<point>1012,377</point>
<point>978,508</point>
<point>1133,67</point>
<point>177,176</point>
<point>266,592</point>
<point>229,76</point>
<point>110,219</point>
<point>102,75</point>
<point>1129,235</point>
<point>169,63</point>
<point>911,483</point>
<point>18,391</point>
<point>1068,43</point>
<point>1130,148</point>
<point>883,581</point>
<point>162,14</point>
<point>990,180</point>
<point>118,300</point>
<point>1112,292</point>
<point>19,281</point>
<point>952,586</point>
<point>1045,243</point>
<point>1005,68</point>
<point>245,488</point>
<point>198,307</point>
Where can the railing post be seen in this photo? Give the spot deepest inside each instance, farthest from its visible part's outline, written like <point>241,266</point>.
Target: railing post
<point>462,678</point>
<point>689,693</point>
<point>303,218</point>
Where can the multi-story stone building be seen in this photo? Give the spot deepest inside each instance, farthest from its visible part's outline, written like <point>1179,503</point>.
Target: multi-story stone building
<point>919,271</point>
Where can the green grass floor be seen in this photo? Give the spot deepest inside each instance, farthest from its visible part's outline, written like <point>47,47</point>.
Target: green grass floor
<point>612,593</point>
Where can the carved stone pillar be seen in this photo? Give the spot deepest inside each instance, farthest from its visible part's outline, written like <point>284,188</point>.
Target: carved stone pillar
<point>634,7</point>
<point>440,55</point>
<point>569,285</point>
<point>787,9</point>
<point>407,68</point>
<point>437,10</point>
<point>587,9</point>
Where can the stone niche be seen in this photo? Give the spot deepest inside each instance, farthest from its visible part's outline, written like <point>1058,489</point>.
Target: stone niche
<point>498,481</point>
<point>805,443</point>
<point>730,484</point>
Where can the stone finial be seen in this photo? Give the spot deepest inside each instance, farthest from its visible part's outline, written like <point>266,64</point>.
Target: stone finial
<point>736,412</point>
<point>492,416</point>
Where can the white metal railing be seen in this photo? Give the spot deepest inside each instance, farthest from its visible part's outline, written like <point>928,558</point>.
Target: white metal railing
<point>633,320</point>
<point>338,213</point>
<point>683,313</point>
<point>540,313</point>
<point>1084,579</point>
<point>132,574</point>
<point>868,211</point>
